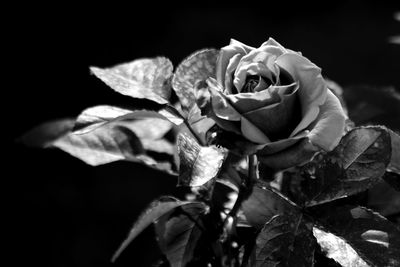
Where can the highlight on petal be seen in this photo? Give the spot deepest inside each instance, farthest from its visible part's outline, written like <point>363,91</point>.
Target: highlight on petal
<point>329,125</point>
<point>313,88</point>
<point>225,54</point>
<point>274,43</point>
<point>233,63</point>
<point>221,106</point>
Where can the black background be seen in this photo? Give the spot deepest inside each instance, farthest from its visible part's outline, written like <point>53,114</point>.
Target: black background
<point>65,213</point>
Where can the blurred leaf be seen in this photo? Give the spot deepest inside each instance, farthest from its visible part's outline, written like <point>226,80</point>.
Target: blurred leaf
<point>384,199</point>
<point>374,240</point>
<point>142,78</point>
<point>179,231</point>
<point>197,67</point>
<point>373,105</point>
<point>44,135</point>
<point>393,179</point>
<point>198,164</point>
<point>112,142</point>
<point>153,212</point>
<point>263,203</point>
<point>285,241</point>
<point>98,116</point>
<point>356,164</point>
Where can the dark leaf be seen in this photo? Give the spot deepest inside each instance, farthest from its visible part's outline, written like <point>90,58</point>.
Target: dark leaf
<point>143,78</point>
<point>197,67</point>
<point>393,179</point>
<point>285,241</point>
<point>155,210</point>
<point>45,134</point>
<point>263,203</point>
<point>197,164</point>
<point>97,116</point>
<point>356,236</point>
<point>384,199</point>
<point>179,231</point>
<point>356,164</point>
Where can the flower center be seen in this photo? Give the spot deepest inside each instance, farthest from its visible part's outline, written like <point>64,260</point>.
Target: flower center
<point>252,81</point>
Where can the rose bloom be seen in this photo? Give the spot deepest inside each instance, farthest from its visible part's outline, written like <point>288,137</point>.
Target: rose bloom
<point>275,98</point>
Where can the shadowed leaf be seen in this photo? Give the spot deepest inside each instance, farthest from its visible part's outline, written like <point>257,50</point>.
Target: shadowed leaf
<point>179,231</point>
<point>197,67</point>
<point>357,235</point>
<point>285,241</point>
<point>394,165</point>
<point>356,164</point>
<point>384,198</point>
<point>45,134</point>
<point>142,78</point>
<point>153,212</point>
<point>197,164</point>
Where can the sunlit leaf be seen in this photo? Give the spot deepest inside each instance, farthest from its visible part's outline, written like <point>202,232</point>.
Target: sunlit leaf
<point>98,116</point>
<point>143,78</point>
<point>356,164</point>
<point>179,231</point>
<point>373,239</point>
<point>45,134</point>
<point>152,213</point>
<point>285,241</point>
<point>113,142</point>
<point>197,164</point>
<point>197,67</point>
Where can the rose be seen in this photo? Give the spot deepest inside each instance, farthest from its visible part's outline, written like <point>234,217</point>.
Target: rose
<point>275,98</point>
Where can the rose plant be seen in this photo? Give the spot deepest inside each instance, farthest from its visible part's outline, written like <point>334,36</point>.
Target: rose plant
<point>263,149</point>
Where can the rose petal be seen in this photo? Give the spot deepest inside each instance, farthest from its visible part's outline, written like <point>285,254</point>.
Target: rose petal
<point>255,68</point>
<point>278,120</point>
<point>297,154</point>
<point>329,126</point>
<point>246,102</point>
<point>225,55</point>
<point>312,90</point>
<point>251,132</point>
<point>233,63</point>
<point>221,106</point>
<point>273,43</point>
<point>274,147</point>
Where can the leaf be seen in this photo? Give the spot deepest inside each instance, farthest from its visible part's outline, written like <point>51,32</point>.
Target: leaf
<point>394,165</point>
<point>197,67</point>
<point>153,212</point>
<point>285,241</point>
<point>45,134</point>
<point>142,78</point>
<point>384,199</point>
<point>178,233</point>
<point>356,164</point>
<point>373,238</point>
<point>113,142</point>
<point>263,204</point>
<point>98,116</point>
<point>373,105</point>
<point>198,164</point>
<point>393,179</point>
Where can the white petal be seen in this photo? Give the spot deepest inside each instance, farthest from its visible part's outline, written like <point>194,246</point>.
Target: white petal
<point>329,126</point>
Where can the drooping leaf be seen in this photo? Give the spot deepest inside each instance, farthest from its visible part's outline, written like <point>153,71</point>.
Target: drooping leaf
<point>197,67</point>
<point>285,241</point>
<point>373,238</point>
<point>98,116</point>
<point>45,134</point>
<point>179,231</point>
<point>198,164</point>
<point>112,142</point>
<point>356,164</point>
<point>154,211</point>
<point>142,78</point>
